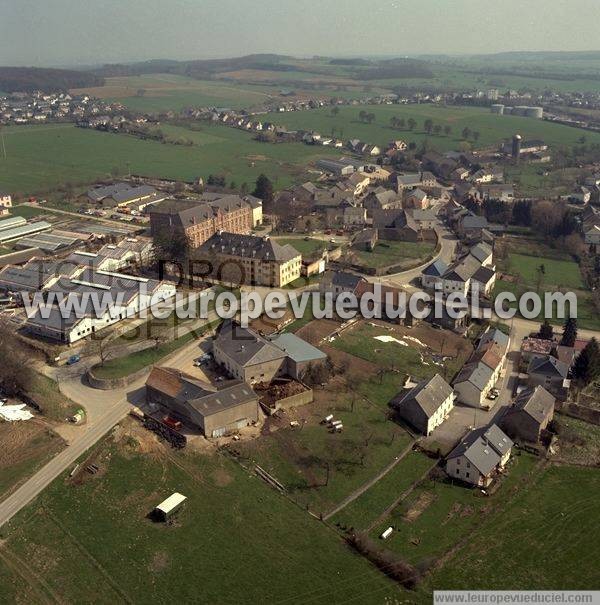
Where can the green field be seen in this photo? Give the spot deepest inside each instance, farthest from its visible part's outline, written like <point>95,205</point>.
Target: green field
<point>389,253</point>
<point>563,273</point>
<point>42,157</point>
<point>493,129</point>
<point>305,247</point>
<point>299,458</point>
<point>542,538</point>
<point>236,540</point>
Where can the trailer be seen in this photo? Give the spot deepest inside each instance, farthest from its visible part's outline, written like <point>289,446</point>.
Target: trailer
<point>169,507</point>
<point>387,533</point>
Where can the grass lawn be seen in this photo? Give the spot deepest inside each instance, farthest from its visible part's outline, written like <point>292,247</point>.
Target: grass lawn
<point>544,537</point>
<point>387,253</point>
<point>235,540</point>
<point>492,128</point>
<point>578,441</point>
<point>54,404</point>
<point>129,364</point>
<point>28,212</point>
<point>305,247</point>
<point>563,273</point>
<point>369,506</point>
<point>299,458</point>
<point>43,156</point>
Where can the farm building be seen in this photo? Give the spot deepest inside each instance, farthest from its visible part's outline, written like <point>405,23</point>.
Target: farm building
<point>200,405</point>
<point>169,507</point>
<point>530,415</point>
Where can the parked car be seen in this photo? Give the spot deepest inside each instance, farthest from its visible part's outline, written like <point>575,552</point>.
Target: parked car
<point>73,359</point>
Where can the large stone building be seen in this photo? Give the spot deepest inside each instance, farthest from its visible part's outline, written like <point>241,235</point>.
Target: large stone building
<point>198,220</point>
<point>250,260</point>
<point>215,412</point>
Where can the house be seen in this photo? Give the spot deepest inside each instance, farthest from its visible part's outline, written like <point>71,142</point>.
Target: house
<point>396,225</point>
<point>592,236</point>
<point>215,412</point>
<point>551,373</point>
<point>483,253</point>
<point>484,279</point>
<point>535,348</point>
<point>340,282</point>
<point>425,219</point>
<point>248,259</point>
<point>366,240</point>
<point>382,199</point>
<point>426,405</point>
<point>5,203</point>
<point>471,225</point>
<point>530,415</point>
<point>417,198</point>
<point>480,456</point>
<point>249,357</point>
<point>458,276</point>
<point>502,193</point>
<point>483,369</point>
<point>432,274</point>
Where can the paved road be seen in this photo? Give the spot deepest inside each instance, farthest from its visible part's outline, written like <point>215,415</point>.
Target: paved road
<point>29,490</point>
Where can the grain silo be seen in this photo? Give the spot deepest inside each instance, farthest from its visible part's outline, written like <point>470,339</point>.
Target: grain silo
<point>535,112</point>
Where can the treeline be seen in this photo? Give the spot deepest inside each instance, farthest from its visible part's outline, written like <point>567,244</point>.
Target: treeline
<point>396,68</point>
<point>30,79</point>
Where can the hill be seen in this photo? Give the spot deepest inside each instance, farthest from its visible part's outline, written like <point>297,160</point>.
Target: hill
<point>29,79</point>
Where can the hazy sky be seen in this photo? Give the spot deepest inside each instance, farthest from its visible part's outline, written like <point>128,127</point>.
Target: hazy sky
<point>67,32</point>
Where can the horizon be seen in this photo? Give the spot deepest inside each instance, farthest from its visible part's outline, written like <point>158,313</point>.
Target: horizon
<point>135,31</point>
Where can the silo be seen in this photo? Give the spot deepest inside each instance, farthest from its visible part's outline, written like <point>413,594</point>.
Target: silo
<point>520,110</point>
<point>497,108</point>
<point>535,112</point>
<point>516,146</point>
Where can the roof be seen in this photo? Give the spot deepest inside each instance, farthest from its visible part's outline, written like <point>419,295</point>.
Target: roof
<point>12,222</point>
<point>481,252</point>
<point>495,335</point>
<point>463,270</point>
<point>483,448</point>
<point>120,192</point>
<point>418,194</point>
<point>27,229</point>
<point>548,366</point>
<point>346,280</point>
<point>245,347</point>
<point>483,275</point>
<point>201,396</point>
<point>249,246</point>
<point>537,403</point>
<point>428,395</point>
<point>539,346</point>
<point>172,502</point>
<point>477,373</point>
<point>474,222</point>
<point>297,349</point>
<point>436,268</point>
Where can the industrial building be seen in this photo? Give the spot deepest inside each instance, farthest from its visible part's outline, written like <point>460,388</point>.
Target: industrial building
<point>23,229</point>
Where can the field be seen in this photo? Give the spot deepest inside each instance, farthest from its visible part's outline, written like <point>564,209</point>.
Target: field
<point>24,447</point>
<point>535,267</point>
<point>163,92</point>
<point>389,253</point>
<point>543,538</point>
<point>493,129</point>
<point>235,541</point>
<point>42,157</point>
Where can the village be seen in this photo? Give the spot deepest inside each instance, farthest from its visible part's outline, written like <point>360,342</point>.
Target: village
<point>402,436</point>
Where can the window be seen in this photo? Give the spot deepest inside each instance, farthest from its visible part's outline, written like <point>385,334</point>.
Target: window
<point>468,474</point>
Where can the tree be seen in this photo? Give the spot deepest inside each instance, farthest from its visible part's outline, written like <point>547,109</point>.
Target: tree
<point>394,122</point>
<point>16,373</point>
<point>401,123</point>
<point>569,333</point>
<point>411,123</point>
<point>264,189</point>
<point>362,115</point>
<point>476,135</point>
<point>447,130</point>
<point>587,364</point>
<point>437,130</point>
<point>428,125</point>
<point>466,133</point>
<point>546,331</point>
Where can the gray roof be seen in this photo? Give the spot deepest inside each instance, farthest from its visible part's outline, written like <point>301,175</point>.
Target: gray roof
<point>245,347</point>
<point>537,403</point>
<point>436,268</point>
<point>120,192</point>
<point>496,335</point>
<point>346,280</point>
<point>481,251</point>
<point>428,395</point>
<point>474,222</point>
<point>7,235</point>
<point>483,275</point>
<point>548,366</point>
<point>12,222</point>
<point>297,349</point>
<point>249,246</point>
<point>463,270</point>
<point>477,373</point>
<point>483,448</point>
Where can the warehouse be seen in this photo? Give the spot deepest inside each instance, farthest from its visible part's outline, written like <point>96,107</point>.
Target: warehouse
<point>16,233</point>
<point>200,405</point>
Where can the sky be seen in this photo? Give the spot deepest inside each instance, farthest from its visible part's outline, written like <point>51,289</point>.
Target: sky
<point>88,32</point>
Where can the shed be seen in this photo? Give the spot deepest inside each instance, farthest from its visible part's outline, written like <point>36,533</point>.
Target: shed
<point>166,509</point>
